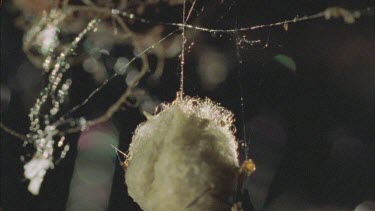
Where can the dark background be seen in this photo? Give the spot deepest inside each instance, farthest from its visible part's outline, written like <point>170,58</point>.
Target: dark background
<point>311,132</point>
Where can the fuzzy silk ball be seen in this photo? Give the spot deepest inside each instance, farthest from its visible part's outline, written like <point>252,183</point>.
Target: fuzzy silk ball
<point>184,158</point>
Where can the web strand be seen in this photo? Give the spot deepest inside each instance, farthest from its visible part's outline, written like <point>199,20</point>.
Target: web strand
<point>182,51</point>
<point>184,25</point>
<point>120,101</point>
<point>239,73</point>
<point>184,20</point>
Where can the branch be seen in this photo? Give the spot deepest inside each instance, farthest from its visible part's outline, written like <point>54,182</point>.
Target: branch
<point>13,133</point>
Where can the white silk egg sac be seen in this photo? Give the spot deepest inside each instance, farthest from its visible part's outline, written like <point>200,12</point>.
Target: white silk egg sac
<point>184,158</point>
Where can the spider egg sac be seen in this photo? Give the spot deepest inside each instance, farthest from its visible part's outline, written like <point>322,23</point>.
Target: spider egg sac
<point>184,158</point>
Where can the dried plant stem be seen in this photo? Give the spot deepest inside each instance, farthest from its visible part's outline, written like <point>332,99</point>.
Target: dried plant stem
<point>13,133</point>
<point>123,98</point>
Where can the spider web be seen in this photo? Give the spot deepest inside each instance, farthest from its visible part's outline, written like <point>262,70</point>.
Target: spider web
<point>182,26</point>
<point>348,16</point>
<point>187,13</point>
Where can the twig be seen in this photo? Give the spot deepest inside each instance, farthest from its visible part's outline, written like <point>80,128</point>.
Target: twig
<point>13,133</point>
<point>117,105</point>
